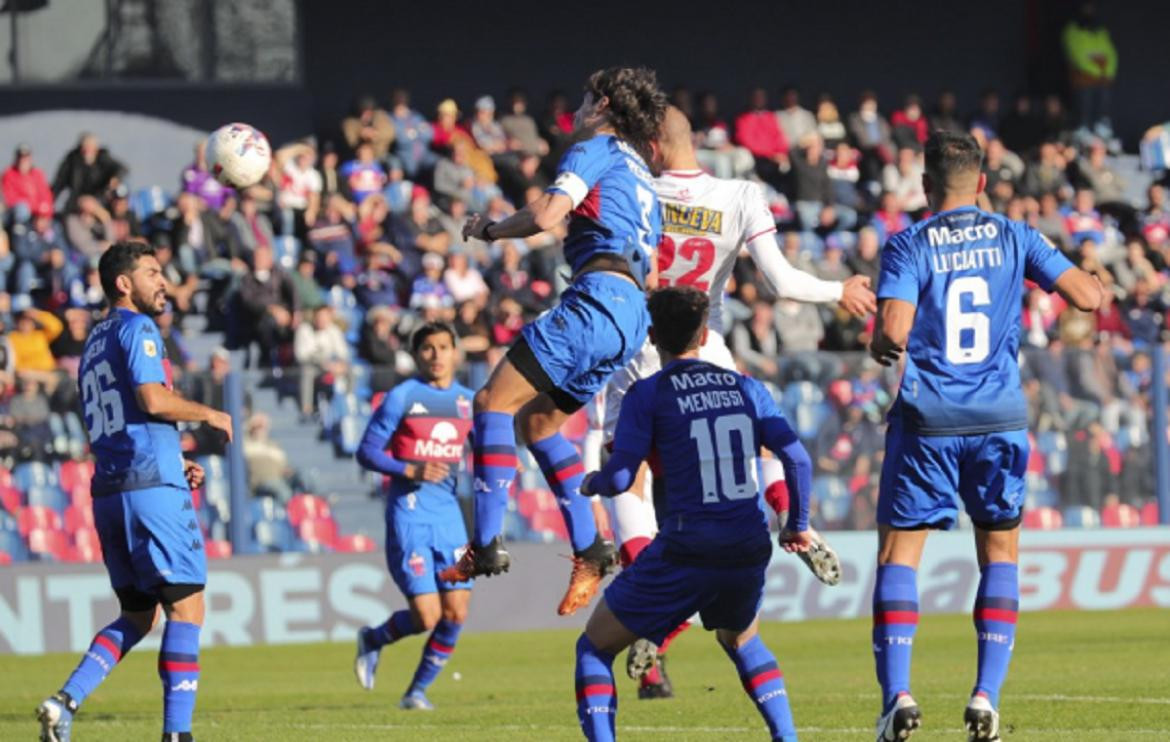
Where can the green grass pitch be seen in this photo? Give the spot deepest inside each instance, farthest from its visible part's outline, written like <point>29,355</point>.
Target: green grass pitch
<point>1082,676</point>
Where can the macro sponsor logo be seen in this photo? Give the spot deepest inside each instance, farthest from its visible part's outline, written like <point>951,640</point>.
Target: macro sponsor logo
<point>958,235</point>
<point>440,445</point>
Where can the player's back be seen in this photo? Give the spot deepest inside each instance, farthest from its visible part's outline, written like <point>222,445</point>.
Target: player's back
<point>964,269</point>
<point>132,450</point>
<point>705,434</point>
<point>618,212</point>
<point>705,223</point>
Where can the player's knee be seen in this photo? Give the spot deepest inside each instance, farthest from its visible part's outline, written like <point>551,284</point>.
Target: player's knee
<point>143,620</point>
<point>183,602</point>
<point>427,618</point>
<point>482,401</point>
<point>455,614</point>
<point>536,425</point>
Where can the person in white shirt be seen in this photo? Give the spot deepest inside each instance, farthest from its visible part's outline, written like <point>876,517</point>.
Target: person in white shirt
<point>320,348</point>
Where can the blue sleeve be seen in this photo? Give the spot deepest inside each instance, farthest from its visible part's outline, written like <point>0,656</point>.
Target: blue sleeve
<point>632,442</point>
<point>1043,263</point>
<point>142,346</point>
<point>779,438</point>
<point>899,276</point>
<point>580,169</point>
<point>371,453</point>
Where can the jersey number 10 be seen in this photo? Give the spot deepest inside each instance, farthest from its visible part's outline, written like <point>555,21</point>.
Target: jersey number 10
<point>977,322</point>
<point>103,402</point>
<point>719,452</point>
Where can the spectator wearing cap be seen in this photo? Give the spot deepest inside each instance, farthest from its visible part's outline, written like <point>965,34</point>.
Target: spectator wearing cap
<point>369,124</point>
<point>520,128</point>
<point>322,354</point>
<point>363,175</point>
<point>413,135</point>
<point>25,184</point>
<point>197,179</point>
<point>430,284</point>
<point>87,170</point>
<point>488,133</point>
<point>446,126</point>
<point>31,245</point>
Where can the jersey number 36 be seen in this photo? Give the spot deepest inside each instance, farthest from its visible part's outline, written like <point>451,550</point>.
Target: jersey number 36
<point>103,402</point>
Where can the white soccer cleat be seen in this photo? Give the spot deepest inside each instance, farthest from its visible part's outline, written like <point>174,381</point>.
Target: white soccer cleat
<point>821,560</point>
<point>981,720</point>
<point>641,658</point>
<point>365,664</point>
<point>416,701</point>
<point>901,721</point>
<point>56,719</point>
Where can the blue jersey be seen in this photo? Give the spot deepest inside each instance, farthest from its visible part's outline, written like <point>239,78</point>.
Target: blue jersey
<point>703,425</point>
<point>964,270</point>
<point>131,449</point>
<point>615,210</point>
<point>417,423</point>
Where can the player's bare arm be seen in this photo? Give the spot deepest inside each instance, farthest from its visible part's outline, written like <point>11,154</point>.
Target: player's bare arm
<point>158,401</point>
<point>544,213</point>
<point>891,331</point>
<point>429,471</point>
<point>1081,289</point>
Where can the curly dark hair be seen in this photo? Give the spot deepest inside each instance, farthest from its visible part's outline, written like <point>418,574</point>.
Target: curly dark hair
<point>678,314</point>
<point>636,103</point>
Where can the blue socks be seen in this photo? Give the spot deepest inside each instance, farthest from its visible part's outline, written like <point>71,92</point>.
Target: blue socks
<point>400,624</point>
<point>178,668</point>
<point>895,619</point>
<point>764,683</point>
<point>561,465</point>
<point>596,699</point>
<point>996,606</point>
<point>435,654</point>
<point>108,647</point>
<point>494,457</point>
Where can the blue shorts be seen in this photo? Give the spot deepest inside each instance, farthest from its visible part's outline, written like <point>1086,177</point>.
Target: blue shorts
<point>150,537</point>
<point>416,552</point>
<point>922,474</point>
<point>654,595</point>
<point>598,326</point>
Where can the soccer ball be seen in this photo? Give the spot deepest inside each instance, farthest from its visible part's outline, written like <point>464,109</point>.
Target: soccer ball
<point>238,155</point>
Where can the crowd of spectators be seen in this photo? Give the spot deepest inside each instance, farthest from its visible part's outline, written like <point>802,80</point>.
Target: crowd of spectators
<point>327,265</point>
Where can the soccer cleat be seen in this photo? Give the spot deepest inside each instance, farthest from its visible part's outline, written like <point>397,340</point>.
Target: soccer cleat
<point>487,560</point>
<point>177,737</point>
<point>821,560</point>
<point>589,567</point>
<point>662,689</point>
<point>365,664</point>
<point>641,658</point>
<point>901,721</point>
<point>981,720</point>
<point>416,700</point>
<point>56,717</point>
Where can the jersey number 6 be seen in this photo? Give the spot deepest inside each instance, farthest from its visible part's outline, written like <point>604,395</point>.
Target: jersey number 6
<point>978,323</point>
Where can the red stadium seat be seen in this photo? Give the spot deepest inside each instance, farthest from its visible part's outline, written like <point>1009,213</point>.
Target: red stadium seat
<point>78,516</point>
<point>217,549</point>
<point>1120,516</point>
<point>48,541</point>
<point>1150,513</point>
<point>9,498</point>
<point>5,477</point>
<point>79,495</point>
<point>5,559</point>
<point>1043,519</point>
<point>356,543</point>
<point>550,522</point>
<point>74,474</point>
<point>318,530</point>
<point>37,517</point>
<point>86,546</point>
<point>531,500</point>
<point>306,507</point>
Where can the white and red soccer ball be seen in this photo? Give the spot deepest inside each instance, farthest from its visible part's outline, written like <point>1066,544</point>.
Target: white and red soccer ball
<point>238,155</point>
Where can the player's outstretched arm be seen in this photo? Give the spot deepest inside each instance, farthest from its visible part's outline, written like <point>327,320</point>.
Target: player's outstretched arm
<point>544,213</point>
<point>615,477</point>
<point>854,294</point>
<point>891,330</point>
<point>1081,289</point>
<point>158,401</point>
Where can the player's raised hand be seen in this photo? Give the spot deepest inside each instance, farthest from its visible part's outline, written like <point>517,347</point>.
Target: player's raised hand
<point>431,471</point>
<point>794,541</point>
<point>221,421</point>
<point>193,472</point>
<point>475,226</point>
<point>856,296</point>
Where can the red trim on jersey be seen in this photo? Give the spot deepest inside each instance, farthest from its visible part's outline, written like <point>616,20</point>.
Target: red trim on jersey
<point>759,234</point>
<point>590,206</point>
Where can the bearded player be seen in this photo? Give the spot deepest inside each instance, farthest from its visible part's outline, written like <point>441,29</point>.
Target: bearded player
<point>706,222</point>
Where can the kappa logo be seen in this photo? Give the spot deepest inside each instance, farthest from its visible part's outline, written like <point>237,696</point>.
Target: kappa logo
<point>418,408</point>
<point>187,685</point>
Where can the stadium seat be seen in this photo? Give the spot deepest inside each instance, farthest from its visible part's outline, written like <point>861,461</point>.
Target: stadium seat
<point>355,543</point>
<point>31,474</point>
<point>74,474</point>
<point>50,497</point>
<point>38,517</point>
<point>13,545</point>
<point>217,549</point>
<point>48,543</point>
<point>1120,515</point>
<point>8,522</point>
<point>77,517</point>
<point>266,508</point>
<point>832,498</point>
<point>9,498</point>
<point>304,506</point>
<point>318,531</point>
<point>5,559</point>
<point>5,477</point>
<point>1150,513</point>
<point>531,500</point>
<point>87,547</point>
<point>287,251</point>
<point>146,202</point>
<point>1043,519</point>
<point>272,535</point>
<point>550,525</point>
<point>80,495</point>
<point>1080,516</point>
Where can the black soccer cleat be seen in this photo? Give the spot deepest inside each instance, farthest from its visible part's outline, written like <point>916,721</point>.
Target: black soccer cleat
<point>662,689</point>
<point>479,561</point>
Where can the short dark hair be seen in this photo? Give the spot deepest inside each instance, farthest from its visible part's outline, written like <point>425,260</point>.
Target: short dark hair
<point>636,103</point>
<point>678,314</point>
<point>120,260</point>
<point>431,328</point>
<point>951,153</point>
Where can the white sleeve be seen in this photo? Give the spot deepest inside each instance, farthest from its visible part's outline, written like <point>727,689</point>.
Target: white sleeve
<point>789,282</point>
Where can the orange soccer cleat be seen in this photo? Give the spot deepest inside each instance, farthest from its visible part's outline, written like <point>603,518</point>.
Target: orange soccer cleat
<point>589,567</point>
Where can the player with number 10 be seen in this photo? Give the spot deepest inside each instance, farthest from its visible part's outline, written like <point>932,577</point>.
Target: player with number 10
<point>565,357</point>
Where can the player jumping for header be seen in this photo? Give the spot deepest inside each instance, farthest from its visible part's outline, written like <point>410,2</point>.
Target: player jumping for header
<point>151,542</point>
<point>565,357</point>
<point>713,548</point>
<point>949,299</point>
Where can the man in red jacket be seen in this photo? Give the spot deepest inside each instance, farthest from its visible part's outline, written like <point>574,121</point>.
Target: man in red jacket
<point>24,183</point>
<point>758,130</point>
